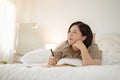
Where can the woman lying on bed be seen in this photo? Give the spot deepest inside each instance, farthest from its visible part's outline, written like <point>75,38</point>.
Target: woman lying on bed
<point>79,45</point>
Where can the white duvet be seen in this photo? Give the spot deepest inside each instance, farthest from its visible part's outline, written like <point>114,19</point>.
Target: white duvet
<point>38,72</point>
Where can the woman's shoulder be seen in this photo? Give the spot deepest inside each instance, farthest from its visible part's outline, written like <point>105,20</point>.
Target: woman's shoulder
<point>63,45</point>
<point>94,51</point>
<point>93,47</point>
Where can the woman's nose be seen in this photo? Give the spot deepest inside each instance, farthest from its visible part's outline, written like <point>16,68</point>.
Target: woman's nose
<point>70,34</point>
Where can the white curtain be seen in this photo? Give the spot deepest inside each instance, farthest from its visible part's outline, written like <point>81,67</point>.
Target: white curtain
<point>7,29</point>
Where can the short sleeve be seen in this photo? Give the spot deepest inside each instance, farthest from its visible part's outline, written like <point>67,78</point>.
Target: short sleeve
<point>94,51</point>
<point>61,46</point>
<point>58,52</point>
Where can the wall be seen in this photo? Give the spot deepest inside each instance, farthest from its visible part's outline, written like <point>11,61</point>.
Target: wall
<point>54,16</point>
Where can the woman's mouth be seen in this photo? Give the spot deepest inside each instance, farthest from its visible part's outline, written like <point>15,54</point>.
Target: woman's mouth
<point>70,39</point>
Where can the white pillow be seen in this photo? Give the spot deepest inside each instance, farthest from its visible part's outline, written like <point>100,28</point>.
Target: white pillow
<point>110,46</point>
<point>36,56</point>
<point>111,58</point>
<point>75,62</point>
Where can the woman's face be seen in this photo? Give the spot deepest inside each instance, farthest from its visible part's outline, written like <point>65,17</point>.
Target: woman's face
<point>74,35</point>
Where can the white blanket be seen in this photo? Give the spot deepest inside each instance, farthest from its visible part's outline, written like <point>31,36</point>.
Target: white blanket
<point>38,72</point>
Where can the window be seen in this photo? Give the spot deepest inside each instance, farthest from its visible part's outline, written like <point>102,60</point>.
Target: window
<point>7,28</point>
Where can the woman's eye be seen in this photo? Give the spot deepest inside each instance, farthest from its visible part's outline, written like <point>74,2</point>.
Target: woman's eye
<point>74,32</point>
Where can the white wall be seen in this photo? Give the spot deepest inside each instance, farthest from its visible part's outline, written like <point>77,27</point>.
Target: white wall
<point>55,16</point>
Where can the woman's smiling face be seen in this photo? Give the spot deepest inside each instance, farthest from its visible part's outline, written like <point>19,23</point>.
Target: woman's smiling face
<point>74,34</point>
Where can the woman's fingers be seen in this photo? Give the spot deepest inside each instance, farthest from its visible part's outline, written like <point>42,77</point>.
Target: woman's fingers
<point>52,61</point>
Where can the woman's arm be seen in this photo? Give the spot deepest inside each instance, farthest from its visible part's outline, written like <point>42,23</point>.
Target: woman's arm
<point>86,57</point>
<point>57,54</point>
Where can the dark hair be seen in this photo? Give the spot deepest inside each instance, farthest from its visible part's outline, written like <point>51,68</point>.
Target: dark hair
<point>85,30</point>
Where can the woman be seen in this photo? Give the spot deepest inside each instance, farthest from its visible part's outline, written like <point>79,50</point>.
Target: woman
<point>79,45</point>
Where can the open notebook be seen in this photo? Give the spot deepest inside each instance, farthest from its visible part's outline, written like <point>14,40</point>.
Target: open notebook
<point>69,62</point>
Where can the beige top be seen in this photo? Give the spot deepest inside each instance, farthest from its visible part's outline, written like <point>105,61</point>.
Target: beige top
<point>64,50</point>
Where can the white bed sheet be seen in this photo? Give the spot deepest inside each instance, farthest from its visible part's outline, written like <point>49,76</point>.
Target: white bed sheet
<point>37,72</point>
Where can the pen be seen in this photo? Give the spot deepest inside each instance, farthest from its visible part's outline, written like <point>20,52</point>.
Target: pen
<point>52,52</point>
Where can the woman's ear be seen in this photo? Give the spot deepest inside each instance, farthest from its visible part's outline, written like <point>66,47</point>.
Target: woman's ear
<point>84,37</point>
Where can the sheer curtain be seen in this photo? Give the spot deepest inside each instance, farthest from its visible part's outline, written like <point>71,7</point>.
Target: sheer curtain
<point>7,29</point>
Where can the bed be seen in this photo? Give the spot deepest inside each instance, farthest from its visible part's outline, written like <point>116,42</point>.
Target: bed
<point>38,72</point>
<point>33,66</point>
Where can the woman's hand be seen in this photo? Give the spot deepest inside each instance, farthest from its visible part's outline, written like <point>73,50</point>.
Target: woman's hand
<point>52,61</point>
<point>79,44</point>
